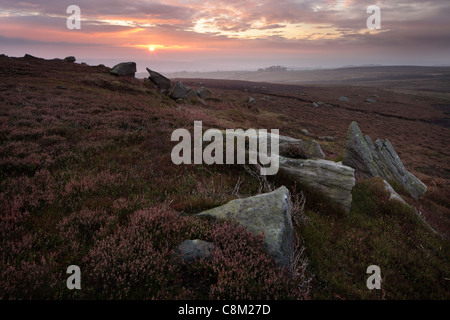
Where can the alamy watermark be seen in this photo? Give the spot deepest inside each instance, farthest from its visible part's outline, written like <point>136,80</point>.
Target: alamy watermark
<point>74,21</point>
<point>374,281</point>
<point>374,21</point>
<point>74,281</point>
<point>258,147</point>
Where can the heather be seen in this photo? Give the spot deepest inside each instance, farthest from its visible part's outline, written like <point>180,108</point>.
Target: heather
<point>86,179</point>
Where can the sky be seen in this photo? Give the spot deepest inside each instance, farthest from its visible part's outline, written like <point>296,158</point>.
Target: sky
<point>210,35</point>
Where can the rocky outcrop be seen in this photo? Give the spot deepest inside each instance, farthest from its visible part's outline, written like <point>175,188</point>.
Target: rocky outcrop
<point>70,59</point>
<point>159,80</point>
<point>299,149</point>
<point>268,213</point>
<point>333,180</point>
<point>190,93</point>
<point>378,159</point>
<point>178,91</point>
<point>29,56</point>
<point>191,250</point>
<point>313,150</point>
<point>204,93</point>
<point>393,195</point>
<point>303,161</point>
<point>292,147</point>
<point>124,69</point>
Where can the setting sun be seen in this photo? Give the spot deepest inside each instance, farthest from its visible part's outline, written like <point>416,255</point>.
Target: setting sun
<point>151,48</point>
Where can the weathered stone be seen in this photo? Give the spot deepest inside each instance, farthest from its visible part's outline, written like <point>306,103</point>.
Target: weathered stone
<point>178,91</point>
<point>393,195</point>
<point>159,80</point>
<point>344,99</point>
<point>191,94</point>
<point>305,132</point>
<point>287,146</point>
<point>313,150</point>
<point>251,100</point>
<point>124,69</point>
<point>191,250</point>
<point>204,93</point>
<point>299,149</point>
<point>333,180</point>
<point>378,159</point>
<point>70,59</point>
<point>371,100</point>
<point>268,213</point>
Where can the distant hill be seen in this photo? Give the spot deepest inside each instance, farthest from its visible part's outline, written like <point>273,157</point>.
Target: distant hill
<point>367,75</point>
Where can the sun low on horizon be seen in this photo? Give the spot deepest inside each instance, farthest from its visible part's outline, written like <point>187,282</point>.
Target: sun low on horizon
<point>309,32</point>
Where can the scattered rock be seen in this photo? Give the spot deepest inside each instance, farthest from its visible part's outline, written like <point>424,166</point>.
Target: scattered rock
<point>290,147</point>
<point>191,250</point>
<point>333,180</point>
<point>71,59</point>
<point>191,94</point>
<point>204,93</point>
<point>315,104</point>
<point>178,91</point>
<point>251,100</point>
<point>124,69</point>
<point>375,96</point>
<point>159,80</point>
<point>313,150</point>
<point>371,101</point>
<point>268,213</point>
<point>305,132</point>
<point>299,149</point>
<point>378,159</point>
<point>344,99</point>
<point>393,195</point>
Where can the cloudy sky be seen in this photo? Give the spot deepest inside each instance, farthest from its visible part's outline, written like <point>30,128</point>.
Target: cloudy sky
<point>230,34</point>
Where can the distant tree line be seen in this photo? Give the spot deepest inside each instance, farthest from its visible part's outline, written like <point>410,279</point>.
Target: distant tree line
<point>273,68</point>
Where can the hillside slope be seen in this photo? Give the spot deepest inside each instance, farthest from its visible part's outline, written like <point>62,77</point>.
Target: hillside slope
<point>87,179</point>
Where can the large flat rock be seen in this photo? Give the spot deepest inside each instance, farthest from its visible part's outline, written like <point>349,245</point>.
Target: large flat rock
<point>333,180</point>
<point>268,213</point>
